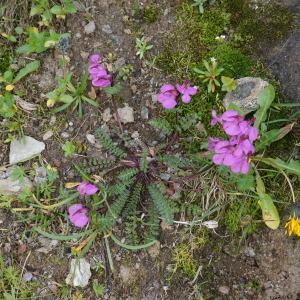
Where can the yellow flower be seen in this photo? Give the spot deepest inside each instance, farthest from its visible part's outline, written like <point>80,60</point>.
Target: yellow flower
<point>50,103</point>
<point>9,87</point>
<point>292,226</point>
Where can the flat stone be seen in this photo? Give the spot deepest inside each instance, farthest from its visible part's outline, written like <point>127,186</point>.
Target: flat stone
<point>47,135</point>
<point>246,94</point>
<point>24,149</point>
<point>90,27</point>
<point>10,187</point>
<point>126,114</point>
<point>106,116</point>
<point>80,273</point>
<point>145,113</point>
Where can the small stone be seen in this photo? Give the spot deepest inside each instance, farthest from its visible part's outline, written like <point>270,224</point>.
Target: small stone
<point>52,120</point>
<point>224,290</point>
<point>154,250</point>
<point>249,251</point>
<point>24,149</point>
<point>90,27</point>
<point>7,248</point>
<point>92,140</point>
<point>107,29</point>
<point>84,54</point>
<point>27,276</point>
<point>106,116</point>
<point>135,135</point>
<point>40,175</point>
<point>246,94</point>
<point>10,187</point>
<point>47,245</point>
<point>126,114</point>
<point>47,135</point>
<point>154,98</point>
<point>145,113</point>
<point>134,88</point>
<point>80,273</point>
<point>165,176</point>
<point>78,35</point>
<point>65,135</point>
<point>125,273</point>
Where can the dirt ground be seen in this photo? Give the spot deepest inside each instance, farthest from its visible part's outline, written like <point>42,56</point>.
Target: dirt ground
<point>265,266</point>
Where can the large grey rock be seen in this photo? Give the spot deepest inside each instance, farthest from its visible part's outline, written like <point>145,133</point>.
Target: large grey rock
<point>80,273</point>
<point>10,187</point>
<point>24,149</point>
<point>246,94</point>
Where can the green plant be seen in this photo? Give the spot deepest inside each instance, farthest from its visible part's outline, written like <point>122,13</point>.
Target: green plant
<point>39,41</point>
<point>210,76</point>
<point>69,148</point>
<point>70,95</point>
<point>142,47</point>
<point>200,5</point>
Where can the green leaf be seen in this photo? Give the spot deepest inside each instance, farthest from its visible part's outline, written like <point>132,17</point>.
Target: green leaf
<point>68,99</point>
<point>292,167</point>
<point>8,76</point>
<point>29,68</point>
<point>229,84</point>
<point>56,10</point>
<point>113,90</point>
<point>60,237</point>
<point>269,211</point>
<point>69,148</point>
<point>233,106</point>
<point>265,100</point>
<point>132,247</point>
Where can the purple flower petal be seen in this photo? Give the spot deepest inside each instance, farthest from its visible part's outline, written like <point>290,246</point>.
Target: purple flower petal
<point>78,215</point>
<point>86,188</point>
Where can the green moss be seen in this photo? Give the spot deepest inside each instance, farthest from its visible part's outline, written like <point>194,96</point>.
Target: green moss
<point>235,63</point>
<point>151,13</point>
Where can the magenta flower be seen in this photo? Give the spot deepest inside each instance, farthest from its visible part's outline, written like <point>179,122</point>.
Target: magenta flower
<point>235,152</point>
<point>167,96</point>
<point>78,215</point>
<point>98,74</point>
<point>86,189</point>
<point>186,90</point>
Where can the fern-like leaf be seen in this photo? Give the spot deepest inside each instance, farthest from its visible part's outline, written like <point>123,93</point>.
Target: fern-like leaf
<point>91,165</point>
<point>131,206</point>
<point>162,124</point>
<point>161,203</point>
<point>153,228</point>
<point>107,143</point>
<point>127,174</point>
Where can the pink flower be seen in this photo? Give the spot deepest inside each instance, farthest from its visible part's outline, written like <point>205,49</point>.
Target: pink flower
<point>167,96</point>
<point>186,91</point>
<point>235,152</point>
<point>78,215</point>
<point>98,75</point>
<point>86,189</point>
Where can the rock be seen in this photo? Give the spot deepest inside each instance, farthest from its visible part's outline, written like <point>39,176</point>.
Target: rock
<point>40,175</point>
<point>65,135</point>
<point>52,120</point>
<point>106,116</point>
<point>135,135</point>
<point>10,187</point>
<point>80,273</point>
<point>125,273</point>
<point>126,114</point>
<point>24,149</point>
<point>224,290</point>
<point>27,276</point>
<point>145,113</point>
<point>246,94</point>
<point>107,29</point>
<point>47,135</point>
<point>154,250</point>
<point>92,140</point>
<point>90,27</point>
<point>165,176</point>
<point>47,245</point>
<point>249,251</point>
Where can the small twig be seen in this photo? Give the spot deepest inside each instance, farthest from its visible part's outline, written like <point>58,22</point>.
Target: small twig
<point>197,274</point>
<point>24,265</point>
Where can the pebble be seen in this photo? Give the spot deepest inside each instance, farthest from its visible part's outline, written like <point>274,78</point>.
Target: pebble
<point>249,251</point>
<point>107,29</point>
<point>145,113</point>
<point>224,290</point>
<point>90,27</point>
<point>27,276</point>
<point>80,273</point>
<point>65,135</point>
<point>126,114</point>
<point>52,120</point>
<point>78,35</point>
<point>106,116</point>
<point>47,135</point>
<point>165,176</point>
<point>135,135</point>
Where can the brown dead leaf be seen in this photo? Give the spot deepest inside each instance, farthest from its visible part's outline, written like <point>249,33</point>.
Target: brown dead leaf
<point>92,93</point>
<point>285,130</point>
<point>27,106</point>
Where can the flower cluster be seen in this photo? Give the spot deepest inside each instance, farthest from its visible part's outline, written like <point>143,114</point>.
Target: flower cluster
<point>168,94</point>
<point>78,214</point>
<point>234,152</point>
<point>98,74</point>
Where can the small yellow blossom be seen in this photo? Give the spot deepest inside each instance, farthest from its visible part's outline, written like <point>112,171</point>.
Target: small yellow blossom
<point>9,87</point>
<point>61,17</point>
<point>50,103</point>
<point>50,168</point>
<point>292,226</point>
